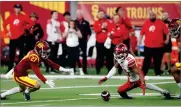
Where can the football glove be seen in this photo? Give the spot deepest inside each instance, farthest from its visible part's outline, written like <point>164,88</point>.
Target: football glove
<point>102,80</point>
<point>143,87</point>
<point>50,83</point>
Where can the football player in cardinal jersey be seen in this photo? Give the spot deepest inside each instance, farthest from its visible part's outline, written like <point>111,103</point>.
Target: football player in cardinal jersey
<point>31,61</point>
<point>135,75</point>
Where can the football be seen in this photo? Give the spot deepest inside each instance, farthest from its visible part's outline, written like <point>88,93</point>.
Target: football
<point>105,96</point>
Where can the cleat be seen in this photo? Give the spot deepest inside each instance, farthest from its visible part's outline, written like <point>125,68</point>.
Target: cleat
<point>167,95</point>
<point>26,96</point>
<point>125,96</point>
<point>3,98</point>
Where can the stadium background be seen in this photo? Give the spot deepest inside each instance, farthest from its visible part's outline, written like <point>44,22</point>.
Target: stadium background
<point>83,90</point>
<point>136,11</point>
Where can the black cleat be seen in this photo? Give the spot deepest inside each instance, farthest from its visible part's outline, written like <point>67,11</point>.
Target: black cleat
<point>26,96</point>
<point>167,95</point>
<point>125,96</point>
<point>3,98</point>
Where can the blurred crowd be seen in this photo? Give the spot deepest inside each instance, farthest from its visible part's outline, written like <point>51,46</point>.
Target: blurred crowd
<point>68,38</point>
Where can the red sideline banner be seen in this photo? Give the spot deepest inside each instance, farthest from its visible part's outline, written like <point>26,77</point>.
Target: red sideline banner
<point>136,11</point>
<point>42,8</point>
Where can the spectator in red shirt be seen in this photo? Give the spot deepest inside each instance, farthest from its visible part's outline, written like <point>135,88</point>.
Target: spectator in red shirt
<point>117,31</point>
<point>126,21</point>
<point>134,42</point>
<point>154,31</point>
<point>101,30</point>
<point>19,25</point>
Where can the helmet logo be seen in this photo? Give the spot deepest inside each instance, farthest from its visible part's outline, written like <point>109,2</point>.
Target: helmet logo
<point>40,45</point>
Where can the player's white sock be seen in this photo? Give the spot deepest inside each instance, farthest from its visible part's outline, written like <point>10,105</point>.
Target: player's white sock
<point>155,88</point>
<point>179,85</point>
<point>27,90</point>
<point>11,91</point>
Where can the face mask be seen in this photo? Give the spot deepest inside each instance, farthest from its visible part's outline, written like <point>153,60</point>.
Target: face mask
<point>153,20</point>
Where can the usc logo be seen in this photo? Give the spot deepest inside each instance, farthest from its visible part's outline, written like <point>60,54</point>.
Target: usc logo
<point>40,45</point>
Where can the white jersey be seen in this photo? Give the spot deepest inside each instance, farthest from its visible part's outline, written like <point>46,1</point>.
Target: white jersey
<point>53,30</point>
<point>129,62</point>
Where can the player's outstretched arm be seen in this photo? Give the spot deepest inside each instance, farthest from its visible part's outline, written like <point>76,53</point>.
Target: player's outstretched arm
<point>36,70</point>
<point>57,67</point>
<point>110,74</point>
<point>141,75</point>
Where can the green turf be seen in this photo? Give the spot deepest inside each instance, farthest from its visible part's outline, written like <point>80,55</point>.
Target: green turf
<point>71,97</point>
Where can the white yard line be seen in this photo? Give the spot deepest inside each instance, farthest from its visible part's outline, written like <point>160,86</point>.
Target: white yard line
<point>95,77</point>
<point>95,86</point>
<point>47,101</point>
<point>40,105</point>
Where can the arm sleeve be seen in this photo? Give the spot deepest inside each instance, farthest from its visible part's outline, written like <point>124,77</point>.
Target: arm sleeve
<point>52,64</point>
<point>143,30</point>
<point>5,23</point>
<point>97,28</point>
<point>111,72</point>
<point>36,70</point>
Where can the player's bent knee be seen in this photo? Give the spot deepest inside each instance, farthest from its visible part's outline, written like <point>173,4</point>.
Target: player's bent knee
<point>37,85</point>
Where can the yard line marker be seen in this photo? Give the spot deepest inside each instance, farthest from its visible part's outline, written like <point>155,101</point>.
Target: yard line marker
<point>47,101</point>
<point>95,77</point>
<point>95,86</point>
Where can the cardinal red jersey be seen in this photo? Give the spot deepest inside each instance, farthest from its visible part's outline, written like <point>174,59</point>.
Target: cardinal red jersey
<point>31,62</point>
<point>18,23</point>
<point>118,32</point>
<point>154,33</point>
<point>101,35</point>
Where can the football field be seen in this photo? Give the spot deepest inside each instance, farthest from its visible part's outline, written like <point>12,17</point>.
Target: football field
<point>86,91</point>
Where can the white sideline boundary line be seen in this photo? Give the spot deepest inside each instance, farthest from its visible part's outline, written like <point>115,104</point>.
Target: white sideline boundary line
<point>94,77</point>
<point>95,86</point>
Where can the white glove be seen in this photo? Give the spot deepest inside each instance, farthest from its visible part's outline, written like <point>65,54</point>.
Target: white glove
<point>65,69</point>
<point>50,83</point>
<point>107,43</point>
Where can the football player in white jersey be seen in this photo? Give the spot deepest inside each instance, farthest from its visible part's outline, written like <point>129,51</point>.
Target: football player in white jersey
<point>135,75</point>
